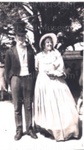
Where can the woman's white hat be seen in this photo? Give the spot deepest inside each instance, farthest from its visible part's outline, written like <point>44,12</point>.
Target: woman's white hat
<point>52,35</point>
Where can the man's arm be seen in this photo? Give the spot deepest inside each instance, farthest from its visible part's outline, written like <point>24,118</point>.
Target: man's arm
<point>7,66</point>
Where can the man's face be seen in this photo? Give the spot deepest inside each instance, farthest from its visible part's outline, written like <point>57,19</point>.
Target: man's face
<point>20,39</point>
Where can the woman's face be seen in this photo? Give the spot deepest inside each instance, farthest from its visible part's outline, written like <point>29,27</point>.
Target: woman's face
<point>48,44</point>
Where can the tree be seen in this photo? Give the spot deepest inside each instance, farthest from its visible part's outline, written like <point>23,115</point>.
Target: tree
<point>64,19</point>
<point>9,13</point>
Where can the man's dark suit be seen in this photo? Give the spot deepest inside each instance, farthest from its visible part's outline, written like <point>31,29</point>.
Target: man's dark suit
<point>12,63</point>
<point>20,86</point>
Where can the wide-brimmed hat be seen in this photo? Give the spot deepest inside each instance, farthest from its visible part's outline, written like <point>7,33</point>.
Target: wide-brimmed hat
<point>52,35</point>
<point>19,27</point>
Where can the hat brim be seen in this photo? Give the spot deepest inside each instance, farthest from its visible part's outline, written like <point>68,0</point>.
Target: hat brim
<point>52,35</point>
<point>20,33</point>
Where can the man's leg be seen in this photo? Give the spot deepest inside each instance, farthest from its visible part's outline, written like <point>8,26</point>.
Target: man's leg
<point>28,105</point>
<point>16,91</point>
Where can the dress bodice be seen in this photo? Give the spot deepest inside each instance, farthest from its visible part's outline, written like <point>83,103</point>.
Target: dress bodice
<point>46,62</point>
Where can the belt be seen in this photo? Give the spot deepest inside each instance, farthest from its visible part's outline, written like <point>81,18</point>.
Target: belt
<point>56,77</point>
<point>23,76</point>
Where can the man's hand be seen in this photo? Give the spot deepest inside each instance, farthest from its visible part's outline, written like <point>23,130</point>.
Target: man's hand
<point>4,88</point>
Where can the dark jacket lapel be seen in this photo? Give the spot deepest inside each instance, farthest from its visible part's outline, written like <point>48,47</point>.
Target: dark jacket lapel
<point>16,56</point>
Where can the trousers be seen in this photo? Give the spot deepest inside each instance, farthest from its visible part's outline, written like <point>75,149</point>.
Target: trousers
<point>21,88</point>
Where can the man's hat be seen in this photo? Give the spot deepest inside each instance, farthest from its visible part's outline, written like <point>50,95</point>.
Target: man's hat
<point>19,27</point>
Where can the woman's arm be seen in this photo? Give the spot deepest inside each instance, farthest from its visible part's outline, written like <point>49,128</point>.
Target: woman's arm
<point>59,68</point>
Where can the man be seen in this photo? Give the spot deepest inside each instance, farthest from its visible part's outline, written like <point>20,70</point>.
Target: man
<point>19,69</point>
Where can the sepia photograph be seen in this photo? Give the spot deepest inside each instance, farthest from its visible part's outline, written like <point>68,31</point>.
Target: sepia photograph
<point>41,75</point>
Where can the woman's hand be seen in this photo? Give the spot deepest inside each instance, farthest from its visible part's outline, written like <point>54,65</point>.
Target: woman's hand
<point>50,73</point>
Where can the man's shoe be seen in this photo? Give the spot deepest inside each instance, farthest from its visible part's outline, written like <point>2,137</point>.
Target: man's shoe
<point>18,136</point>
<point>32,134</point>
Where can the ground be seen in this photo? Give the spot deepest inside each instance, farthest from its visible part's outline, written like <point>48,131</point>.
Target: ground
<point>7,131</point>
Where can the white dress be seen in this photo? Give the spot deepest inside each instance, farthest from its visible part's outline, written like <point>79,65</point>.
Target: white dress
<point>55,108</point>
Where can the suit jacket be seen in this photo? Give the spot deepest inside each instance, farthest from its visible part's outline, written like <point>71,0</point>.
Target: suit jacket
<point>12,63</point>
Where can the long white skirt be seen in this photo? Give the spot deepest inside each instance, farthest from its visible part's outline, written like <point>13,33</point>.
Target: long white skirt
<point>55,108</point>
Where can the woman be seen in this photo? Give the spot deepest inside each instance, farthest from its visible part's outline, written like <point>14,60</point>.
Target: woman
<point>55,108</point>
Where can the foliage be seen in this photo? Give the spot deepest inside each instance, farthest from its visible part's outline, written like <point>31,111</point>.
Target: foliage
<point>64,19</point>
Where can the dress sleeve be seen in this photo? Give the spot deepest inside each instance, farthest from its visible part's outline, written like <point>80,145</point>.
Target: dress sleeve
<point>59,64</point>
